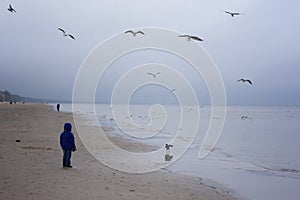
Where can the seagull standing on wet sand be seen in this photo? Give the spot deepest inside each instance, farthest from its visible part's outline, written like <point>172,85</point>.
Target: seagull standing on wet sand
<point>11,9</point>
<point>167,147</point>
<point>191,37</point>
<point>245,80</point>
<point>66,35</point>
<point>232,13</point>
<point>135,33</point>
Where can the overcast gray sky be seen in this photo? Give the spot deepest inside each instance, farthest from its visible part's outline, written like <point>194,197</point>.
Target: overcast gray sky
<point>262,44</point>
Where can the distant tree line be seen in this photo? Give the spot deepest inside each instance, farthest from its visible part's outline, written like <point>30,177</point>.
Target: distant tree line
<point>7,96</point>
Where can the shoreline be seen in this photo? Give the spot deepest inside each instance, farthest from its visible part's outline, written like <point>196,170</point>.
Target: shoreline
<point>31,168</point>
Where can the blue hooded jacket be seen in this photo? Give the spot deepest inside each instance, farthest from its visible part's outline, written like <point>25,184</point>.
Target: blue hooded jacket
<point>67,141</point>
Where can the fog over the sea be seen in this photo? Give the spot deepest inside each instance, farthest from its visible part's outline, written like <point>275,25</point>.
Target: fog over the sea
<point>262,44</point>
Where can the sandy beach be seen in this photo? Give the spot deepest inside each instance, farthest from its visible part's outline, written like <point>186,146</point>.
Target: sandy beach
<point>31,168</point>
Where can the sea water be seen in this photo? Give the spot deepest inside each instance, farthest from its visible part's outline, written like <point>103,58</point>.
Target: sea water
<point>257,156</point>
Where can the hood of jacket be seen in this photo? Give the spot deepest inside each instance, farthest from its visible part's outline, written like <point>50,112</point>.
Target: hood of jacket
<point>68,127</point>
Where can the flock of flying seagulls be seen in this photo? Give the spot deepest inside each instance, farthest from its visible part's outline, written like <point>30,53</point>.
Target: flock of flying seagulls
<point>189,38</point>
<point>12,10</point>
<point>135,33</point>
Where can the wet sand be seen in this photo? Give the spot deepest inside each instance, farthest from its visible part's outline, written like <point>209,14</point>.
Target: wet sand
<point>31,168</point>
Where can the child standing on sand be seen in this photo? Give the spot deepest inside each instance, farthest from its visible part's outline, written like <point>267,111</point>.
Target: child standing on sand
<point>67,143</point>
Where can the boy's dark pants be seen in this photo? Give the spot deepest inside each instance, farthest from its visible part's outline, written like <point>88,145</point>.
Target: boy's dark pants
<point>67,158</point>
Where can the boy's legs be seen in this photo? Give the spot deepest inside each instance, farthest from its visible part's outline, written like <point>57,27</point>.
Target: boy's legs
<point>67,158</point>
<point>64,158</point>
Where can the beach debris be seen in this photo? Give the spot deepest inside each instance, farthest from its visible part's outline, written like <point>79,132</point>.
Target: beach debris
<point>11,9</point>
<point>245,80</point>
<point>153,74</point>
<point>232,13</point>
<point>65,34</point>
<point>134,33</point>
<point>191,37</point>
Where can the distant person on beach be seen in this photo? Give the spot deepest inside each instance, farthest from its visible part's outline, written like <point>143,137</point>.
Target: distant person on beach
<point>58,107</point>
<point>67,143</point>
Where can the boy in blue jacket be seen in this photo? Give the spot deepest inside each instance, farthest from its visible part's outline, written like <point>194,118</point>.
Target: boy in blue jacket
<point>67,143</point>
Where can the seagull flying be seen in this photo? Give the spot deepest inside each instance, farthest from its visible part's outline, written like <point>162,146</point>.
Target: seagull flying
<point>154,75</point>
<point>11,9</point>
<point>135,33</point>
<point>245,80</point>
<point>167,147</point>
<point>66,35</point>
<point>246,117</point>
<point>232,13</point>
<point>191,37</point>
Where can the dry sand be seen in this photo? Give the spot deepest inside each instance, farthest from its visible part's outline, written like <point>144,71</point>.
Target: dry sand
<point>31,168</point>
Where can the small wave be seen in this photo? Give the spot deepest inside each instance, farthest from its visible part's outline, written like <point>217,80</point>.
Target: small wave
<point>289,170</point>
<point>280,172</point>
